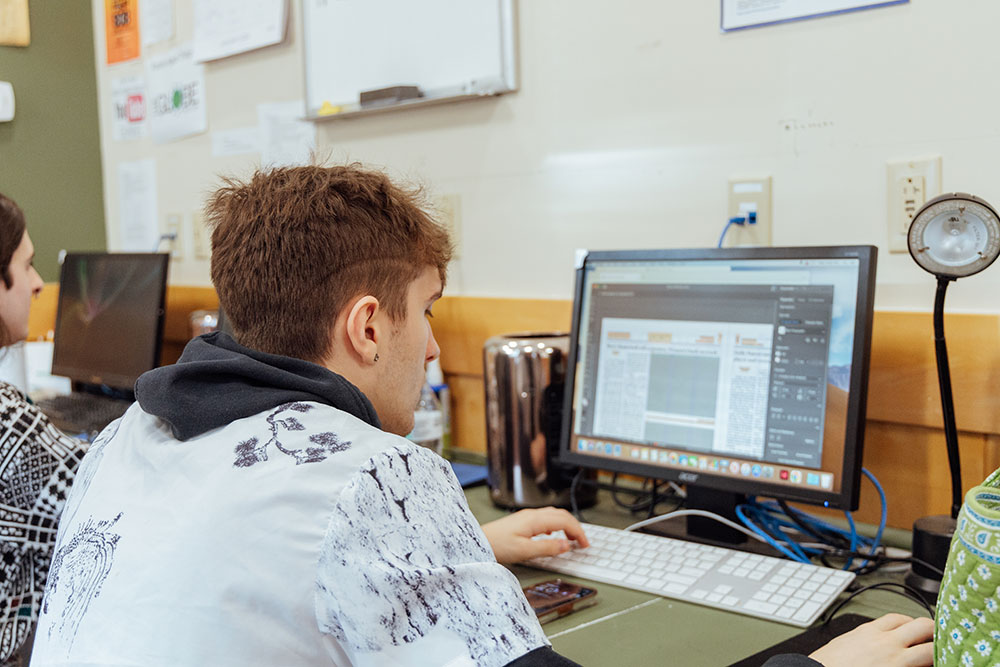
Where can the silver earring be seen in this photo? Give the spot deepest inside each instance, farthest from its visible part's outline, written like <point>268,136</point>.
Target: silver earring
<point>376,356</point>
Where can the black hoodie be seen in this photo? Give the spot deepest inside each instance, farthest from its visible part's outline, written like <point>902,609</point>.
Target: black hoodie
<point>217,381</point>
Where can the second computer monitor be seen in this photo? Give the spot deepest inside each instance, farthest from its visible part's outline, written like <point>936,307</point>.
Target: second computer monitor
<point>734,370</point>
<point>109,322</point>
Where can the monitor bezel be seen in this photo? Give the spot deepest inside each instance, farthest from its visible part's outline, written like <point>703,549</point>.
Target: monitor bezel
<point>112,380</point>
<point>848,495</point>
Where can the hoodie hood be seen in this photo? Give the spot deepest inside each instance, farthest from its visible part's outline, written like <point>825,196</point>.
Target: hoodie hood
<point>217,381</point>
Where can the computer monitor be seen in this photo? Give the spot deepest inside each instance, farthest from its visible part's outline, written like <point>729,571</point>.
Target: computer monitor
<point>109,321</point>
<point>732,371</point>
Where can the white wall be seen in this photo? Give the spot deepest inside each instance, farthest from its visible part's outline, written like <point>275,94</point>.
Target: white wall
<point>630,120</point>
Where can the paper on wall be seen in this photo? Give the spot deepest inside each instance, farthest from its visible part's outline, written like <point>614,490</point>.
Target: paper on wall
<point>286,139</point>
<point>176,105</point>
<point>128,108</point>
<point>238,141</point>
<point>121,30</point>
<point>157,18</point>
<point>137,210</point>
<point>227,27</point>
<point>14,25</point>
<point>738,14</point>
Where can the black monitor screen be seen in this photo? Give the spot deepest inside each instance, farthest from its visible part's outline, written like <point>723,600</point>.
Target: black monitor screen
<point>109,323</point>
<point>742,370</point>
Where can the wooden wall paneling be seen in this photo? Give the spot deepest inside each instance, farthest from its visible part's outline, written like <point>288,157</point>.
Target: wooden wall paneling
<point>42,318</point>
<point>991,458</point>
<point>903,384</point>
<point>911,463</point>
<point>462,326</point>
<point>468,412</point>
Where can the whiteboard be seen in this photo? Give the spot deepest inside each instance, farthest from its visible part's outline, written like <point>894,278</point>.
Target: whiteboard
<point>448,48</point>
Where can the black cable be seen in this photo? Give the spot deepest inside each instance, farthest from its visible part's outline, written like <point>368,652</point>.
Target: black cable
<point>876,560</point>
<point>634,506</point>
<point>831,538</point>
<point>572,496</point>
<point>907,591</point>
<point>644,504</point>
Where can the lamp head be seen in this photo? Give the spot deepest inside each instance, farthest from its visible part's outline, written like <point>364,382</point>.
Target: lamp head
<point>954,235</point>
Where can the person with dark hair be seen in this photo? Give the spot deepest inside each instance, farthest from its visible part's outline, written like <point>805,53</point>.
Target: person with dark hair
<point>258,504</point>
<point>37,461</point>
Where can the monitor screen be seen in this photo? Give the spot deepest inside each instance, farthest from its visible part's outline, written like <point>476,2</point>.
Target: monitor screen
<point>741,370</point>
<point>109,322</point>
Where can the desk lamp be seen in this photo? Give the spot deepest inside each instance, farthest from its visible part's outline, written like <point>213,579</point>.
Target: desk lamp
<point>952,236</point>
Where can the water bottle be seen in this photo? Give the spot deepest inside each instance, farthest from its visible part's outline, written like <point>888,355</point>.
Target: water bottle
<point>428,426</point>
<point>435,378</point>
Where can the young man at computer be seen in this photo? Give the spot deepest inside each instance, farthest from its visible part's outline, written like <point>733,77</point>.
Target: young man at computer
<point>258,506</point>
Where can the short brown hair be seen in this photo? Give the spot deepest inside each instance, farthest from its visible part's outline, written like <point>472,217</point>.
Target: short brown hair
<point>292,246</point>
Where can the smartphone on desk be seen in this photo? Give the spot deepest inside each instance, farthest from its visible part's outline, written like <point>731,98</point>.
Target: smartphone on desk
<point>556,598</point>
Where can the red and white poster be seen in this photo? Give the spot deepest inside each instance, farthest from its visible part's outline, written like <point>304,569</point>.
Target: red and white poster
<point>128,104</point>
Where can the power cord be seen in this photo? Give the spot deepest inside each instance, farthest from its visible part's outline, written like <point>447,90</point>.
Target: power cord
<point>906,591</point>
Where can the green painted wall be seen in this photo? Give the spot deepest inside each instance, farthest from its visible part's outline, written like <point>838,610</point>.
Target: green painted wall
<point>50,154</point>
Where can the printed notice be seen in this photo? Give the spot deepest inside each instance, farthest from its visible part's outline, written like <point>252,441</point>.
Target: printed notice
<point>238,141</point>
<point>738,14</point>
<point>137,227</point>
<point>121,30</point>
<point>128,103</point>
<point>176,95</point>
<point>286,139</point>
<point>157,20</point>
<point>227,27</point>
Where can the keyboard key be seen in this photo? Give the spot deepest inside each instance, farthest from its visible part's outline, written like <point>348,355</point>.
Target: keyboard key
<point>763,607</point>
<point>806,611</point>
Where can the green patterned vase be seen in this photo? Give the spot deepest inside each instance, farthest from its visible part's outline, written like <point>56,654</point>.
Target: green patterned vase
<point>967,632</point>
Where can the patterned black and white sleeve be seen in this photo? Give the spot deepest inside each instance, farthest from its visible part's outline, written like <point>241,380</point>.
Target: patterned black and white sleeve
<point>406,576</point>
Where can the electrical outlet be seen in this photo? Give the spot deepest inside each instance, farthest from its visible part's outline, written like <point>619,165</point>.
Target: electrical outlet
<point>910,183</point>
<point>449,215</point>
<point>202,239</point>
<point>746,195</point>
<point>174,228</point>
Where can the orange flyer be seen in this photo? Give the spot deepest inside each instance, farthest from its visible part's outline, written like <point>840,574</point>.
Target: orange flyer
<point>121,30</point>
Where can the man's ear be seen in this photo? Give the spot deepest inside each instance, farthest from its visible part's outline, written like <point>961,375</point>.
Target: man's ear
<point>364,329</point>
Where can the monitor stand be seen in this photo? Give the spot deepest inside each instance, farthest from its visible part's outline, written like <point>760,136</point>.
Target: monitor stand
<point>709,531</point>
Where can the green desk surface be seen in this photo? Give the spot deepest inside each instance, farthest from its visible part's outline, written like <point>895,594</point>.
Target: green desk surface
<point>627,627</point>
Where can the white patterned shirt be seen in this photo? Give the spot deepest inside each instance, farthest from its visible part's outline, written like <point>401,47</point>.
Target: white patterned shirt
<point>300,535</point>
<point>37,464</point>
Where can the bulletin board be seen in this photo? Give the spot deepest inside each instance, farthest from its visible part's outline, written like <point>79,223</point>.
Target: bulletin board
<point>448,50</point>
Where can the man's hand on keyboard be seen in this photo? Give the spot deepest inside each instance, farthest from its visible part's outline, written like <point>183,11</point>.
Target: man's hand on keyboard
<point>891,641</point>
<point>511,536</point>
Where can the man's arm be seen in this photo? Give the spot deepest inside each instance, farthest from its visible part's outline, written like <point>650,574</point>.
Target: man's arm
<point>510,537</point>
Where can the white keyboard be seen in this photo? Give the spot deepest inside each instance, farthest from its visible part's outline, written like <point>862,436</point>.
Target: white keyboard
<point>772,588</point>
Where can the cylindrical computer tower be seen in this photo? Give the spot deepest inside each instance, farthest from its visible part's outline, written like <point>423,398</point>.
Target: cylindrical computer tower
<point>525,376</point>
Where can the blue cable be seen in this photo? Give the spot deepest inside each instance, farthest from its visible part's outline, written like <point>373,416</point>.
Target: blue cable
<point>768,515</point>
<point>885,510</point>
<point>767,538</point>
<point>854,538</point>
<point>739,220</point>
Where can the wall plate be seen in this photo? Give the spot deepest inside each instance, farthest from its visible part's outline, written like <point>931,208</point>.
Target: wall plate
<point>6,102</point>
